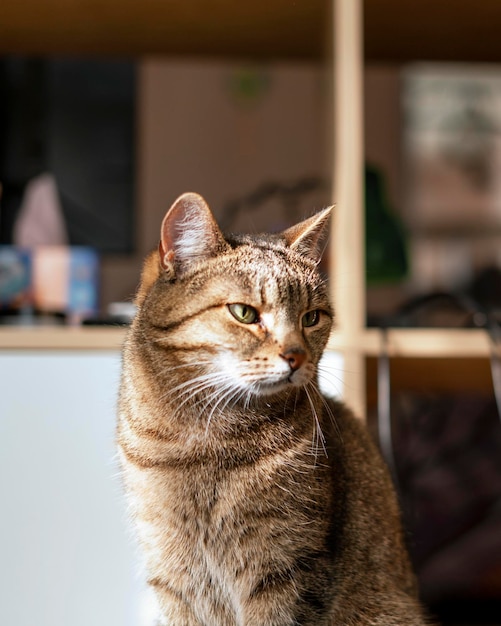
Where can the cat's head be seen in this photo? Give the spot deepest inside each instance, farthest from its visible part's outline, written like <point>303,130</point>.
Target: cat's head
<point>247,315</point>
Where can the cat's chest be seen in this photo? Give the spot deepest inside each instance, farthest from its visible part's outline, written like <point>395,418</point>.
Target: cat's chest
<point>214,506</point>
<point>197,518</point>
<point>203,494</point>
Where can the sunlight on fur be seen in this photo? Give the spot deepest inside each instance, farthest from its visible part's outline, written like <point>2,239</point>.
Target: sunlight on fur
<point>257,497</point>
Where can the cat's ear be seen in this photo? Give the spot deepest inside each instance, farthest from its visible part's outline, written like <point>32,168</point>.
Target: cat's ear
<point>188,234</point>
<point>307,236</point>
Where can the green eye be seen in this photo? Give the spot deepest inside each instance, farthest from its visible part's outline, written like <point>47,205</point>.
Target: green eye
<point>310,319</point>
<point>244,313</point>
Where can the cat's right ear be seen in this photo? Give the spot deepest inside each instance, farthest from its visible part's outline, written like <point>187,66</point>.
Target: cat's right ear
<point>188,234</point>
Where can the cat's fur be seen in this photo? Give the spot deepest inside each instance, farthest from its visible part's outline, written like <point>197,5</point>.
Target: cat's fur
<point>257,501</point>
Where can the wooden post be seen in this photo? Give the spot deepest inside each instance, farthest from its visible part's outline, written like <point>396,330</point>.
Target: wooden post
<point>348,252</point>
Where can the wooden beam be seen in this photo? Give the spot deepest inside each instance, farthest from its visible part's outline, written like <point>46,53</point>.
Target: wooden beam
<point>258,29</point>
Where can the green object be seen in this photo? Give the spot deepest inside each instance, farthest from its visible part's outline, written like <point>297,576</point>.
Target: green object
<point>385,247</point>
<point>248,85</point>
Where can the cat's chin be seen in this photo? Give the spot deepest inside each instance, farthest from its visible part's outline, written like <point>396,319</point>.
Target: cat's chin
<point>267,389</point>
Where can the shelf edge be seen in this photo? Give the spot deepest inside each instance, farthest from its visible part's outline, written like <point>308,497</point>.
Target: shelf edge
<point>61,338</point>
<point>418,342</point>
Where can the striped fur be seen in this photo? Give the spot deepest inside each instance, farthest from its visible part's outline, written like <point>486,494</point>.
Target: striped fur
<point>257,502</point>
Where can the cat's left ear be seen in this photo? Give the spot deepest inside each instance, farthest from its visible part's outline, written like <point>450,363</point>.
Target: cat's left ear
<point>189,233</point>
<point>307,236</point>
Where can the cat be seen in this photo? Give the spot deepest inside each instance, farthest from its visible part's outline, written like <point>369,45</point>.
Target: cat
<point>257,501</point>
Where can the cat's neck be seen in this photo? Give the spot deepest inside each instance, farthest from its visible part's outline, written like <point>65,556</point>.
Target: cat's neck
<point>237,434</point>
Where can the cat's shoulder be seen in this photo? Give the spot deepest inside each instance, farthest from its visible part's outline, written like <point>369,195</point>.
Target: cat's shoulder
<point>349,434</point>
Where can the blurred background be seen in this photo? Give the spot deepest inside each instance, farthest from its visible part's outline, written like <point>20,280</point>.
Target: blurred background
<point>110,110</point>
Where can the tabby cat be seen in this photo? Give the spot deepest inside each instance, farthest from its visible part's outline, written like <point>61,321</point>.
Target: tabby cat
<point>257,501</point>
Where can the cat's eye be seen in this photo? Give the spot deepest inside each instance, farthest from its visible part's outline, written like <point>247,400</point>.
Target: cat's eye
<point>311,318</point>
<point>244,313</point>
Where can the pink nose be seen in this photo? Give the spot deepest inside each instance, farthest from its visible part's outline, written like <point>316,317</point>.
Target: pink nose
<point>295,357</point>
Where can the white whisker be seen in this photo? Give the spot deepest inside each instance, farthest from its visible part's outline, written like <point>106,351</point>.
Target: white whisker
<point>327,408</point>
<point>224,399</point>
<point>320,437</point>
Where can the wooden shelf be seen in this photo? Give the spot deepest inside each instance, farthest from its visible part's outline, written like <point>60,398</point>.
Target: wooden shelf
<point>255,29</point>
<point>394,31</point>
<point>436,343</point>
<point>418,342</point>
<point>61,338</point>
<point>427,30</point>
<point>379,30</point>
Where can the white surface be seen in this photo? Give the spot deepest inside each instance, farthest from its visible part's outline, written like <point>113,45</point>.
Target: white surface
<point>331,374</point>
<point>66,558</point>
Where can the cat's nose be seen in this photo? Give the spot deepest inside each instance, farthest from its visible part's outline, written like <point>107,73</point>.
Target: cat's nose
<point>295,358</point>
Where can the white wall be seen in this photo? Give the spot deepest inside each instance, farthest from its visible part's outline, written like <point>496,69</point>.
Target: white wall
<point>66,558</point>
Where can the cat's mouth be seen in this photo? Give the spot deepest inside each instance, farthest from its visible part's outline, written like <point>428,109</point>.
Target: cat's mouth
<point>269,388</point>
